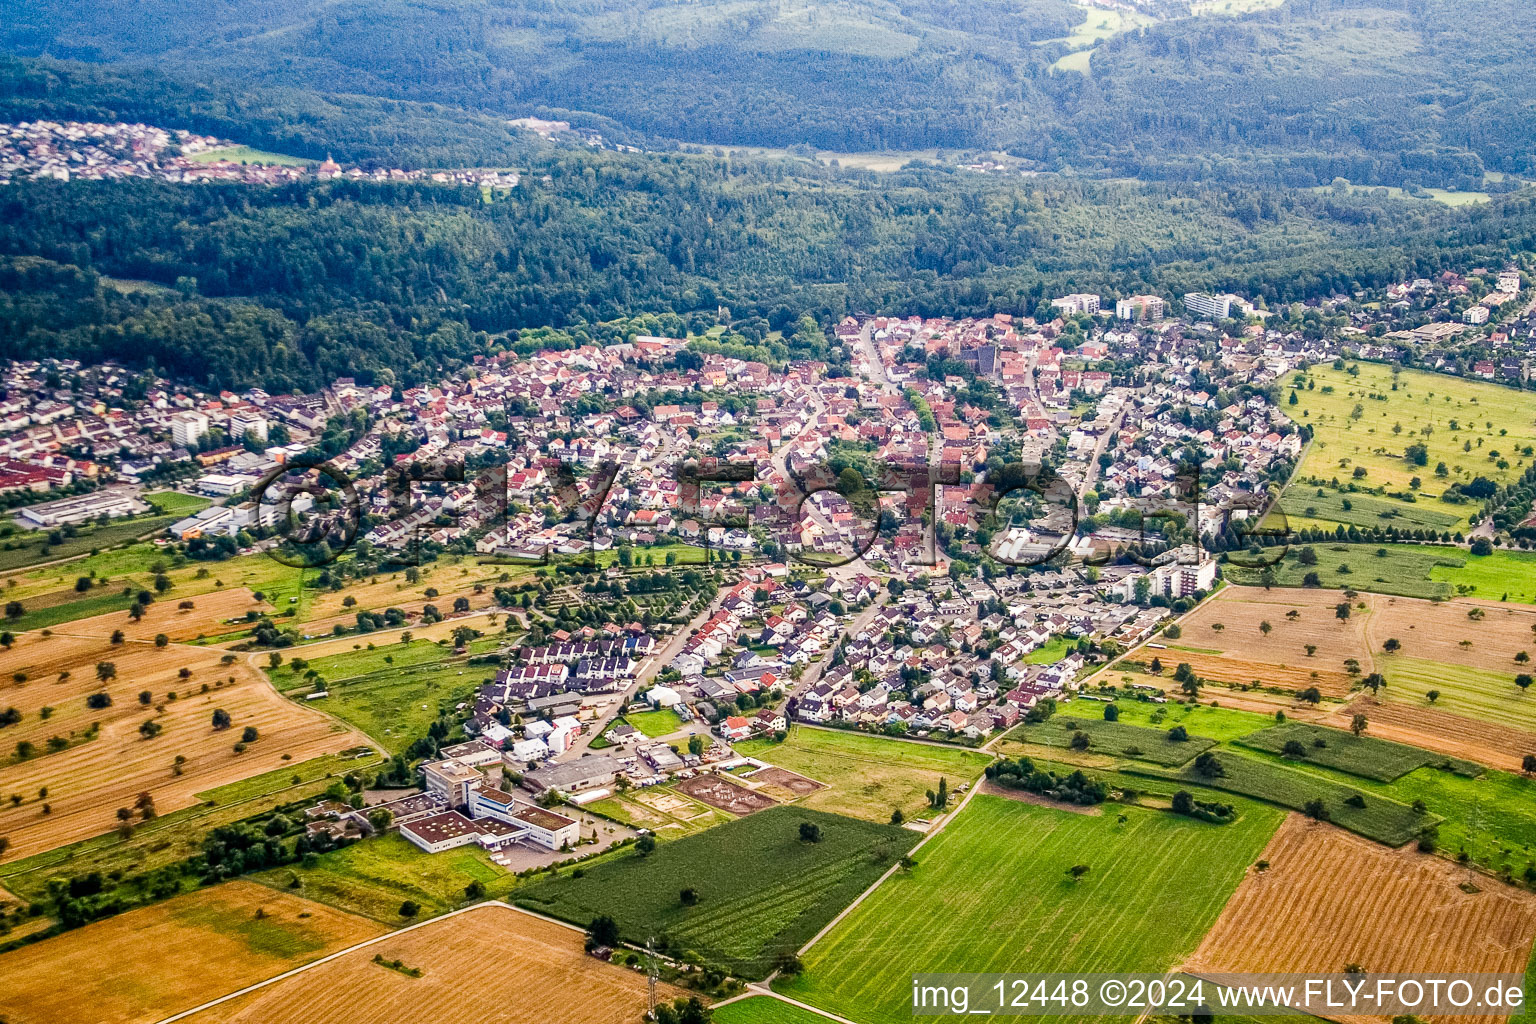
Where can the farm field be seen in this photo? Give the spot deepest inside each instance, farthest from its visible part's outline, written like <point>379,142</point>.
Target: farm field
<point>1115,738</point>
<point>397,703</point>
<point>761,890</point>
<point>540,969</point>
<point>1408,570</point>
<point>1310,506</point>
<point>1231,626</point>
<point>94,760</point>
<point>201,946</point>
<point>1491,817</point>
<point>372,879</point>
<point>178,835</point>
<point>1366,756</point>
<point>998,899</point>
<point>1218,723</point>
<point>1360,421</point>
<point>247,155</point>
<point>1382,819</point>
<point>866,775</point>
<point>1421,724</point>
<point>28,547</point>
<point>1330,898</point>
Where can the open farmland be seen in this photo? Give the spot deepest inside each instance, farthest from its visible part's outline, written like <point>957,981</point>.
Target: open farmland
<point>1329,899</point>
<point>867,776</point>
<point>1360,421</point>
<point>1367,756</point>
<point>991,894</point>
<point>1224,640</point>
<point>178,835</point>
<point>1443,732</point>
<point>761,890</point>
<point>476,968</point>
<point>94,760</point>
<point>394,702</point>
<point>200,946</point>
<point>1383,820</point>
<point>1117,738</point>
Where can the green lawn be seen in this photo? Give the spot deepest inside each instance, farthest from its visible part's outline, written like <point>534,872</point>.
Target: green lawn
<point>1120,739</point>
<point>1384,820</point>
<point>1052,651</point>
<point>765,1010</point>
<point>990,894</point>
<point>175,503</point>
<point>247,155</point>
<point>1360,421</point>
<point>761,891</point>
<point>376,876</point>
<point>867,775</point>
<point>1355,755</point>
<point>655,723</point>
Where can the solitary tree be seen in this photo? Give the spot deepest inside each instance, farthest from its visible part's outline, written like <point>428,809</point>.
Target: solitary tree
<point>809,832</point>
<point>221,719</point>
<point>1357,724</point>
<point>1077,871</point>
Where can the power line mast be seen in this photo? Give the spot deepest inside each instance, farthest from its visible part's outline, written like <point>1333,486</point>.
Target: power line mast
<point>650,973</point>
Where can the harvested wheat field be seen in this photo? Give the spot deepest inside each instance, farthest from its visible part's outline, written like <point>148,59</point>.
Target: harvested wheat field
<point>93,760</point>
<point>1436,631</point>
<point>1330,898</point>
<point>1224,640</point>
<point>149,963</point>
<point>488,965</point>
<point>208,616</point>
<point>1496,746</point>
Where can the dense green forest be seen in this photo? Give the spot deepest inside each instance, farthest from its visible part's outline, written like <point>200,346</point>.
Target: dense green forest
<point>292,285</point>
<point>1377,91</point>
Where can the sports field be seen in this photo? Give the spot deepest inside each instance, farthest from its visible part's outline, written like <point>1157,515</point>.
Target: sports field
<point>868,776</point>
<point>760,889</point>
<point>992,893</point>
<point>150,963</point>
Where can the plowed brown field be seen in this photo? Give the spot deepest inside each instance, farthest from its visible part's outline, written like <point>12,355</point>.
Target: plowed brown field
<point>1330,898</point>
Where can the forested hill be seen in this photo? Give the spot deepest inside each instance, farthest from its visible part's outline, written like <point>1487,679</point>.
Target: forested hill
<point>1378,91</point>
<point>290,286</point>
